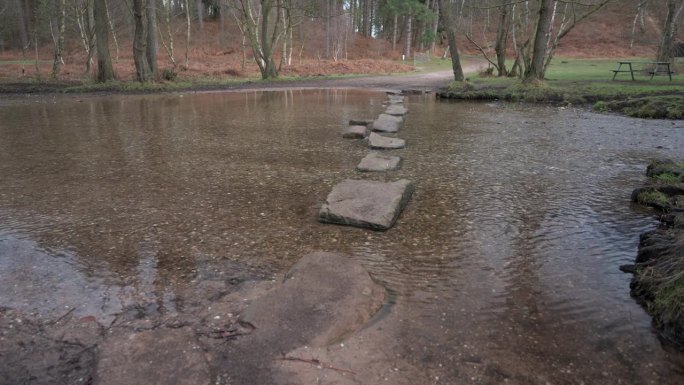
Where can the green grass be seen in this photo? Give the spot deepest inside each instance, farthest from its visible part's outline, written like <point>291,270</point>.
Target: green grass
<point>653,197</point>
<point>587,81</point>
<point>668,177</point>
<point>663,280</point>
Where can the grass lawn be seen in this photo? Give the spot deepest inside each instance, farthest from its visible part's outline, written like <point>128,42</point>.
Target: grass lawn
<point>582,81</point>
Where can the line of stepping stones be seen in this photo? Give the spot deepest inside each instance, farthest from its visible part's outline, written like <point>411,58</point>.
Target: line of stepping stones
<point>366,203</point>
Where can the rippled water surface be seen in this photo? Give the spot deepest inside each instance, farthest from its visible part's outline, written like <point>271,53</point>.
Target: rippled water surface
<point>504,266</point>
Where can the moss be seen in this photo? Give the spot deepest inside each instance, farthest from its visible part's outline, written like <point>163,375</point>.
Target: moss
<point>653,198</point>
<point>600,106</point>
<point>668,177</point>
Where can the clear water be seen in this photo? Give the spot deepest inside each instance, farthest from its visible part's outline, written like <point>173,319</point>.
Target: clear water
<point>504,266</point>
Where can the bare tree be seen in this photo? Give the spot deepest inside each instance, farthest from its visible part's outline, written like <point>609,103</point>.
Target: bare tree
<point>142,69</point>
<point>105,70</point>
<point>262,32</point>
<point>675,8</point>
<point>59,39</point>
<point>446,16</point>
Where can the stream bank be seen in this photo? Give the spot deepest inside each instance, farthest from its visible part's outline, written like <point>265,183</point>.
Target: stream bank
<point>658,282</point>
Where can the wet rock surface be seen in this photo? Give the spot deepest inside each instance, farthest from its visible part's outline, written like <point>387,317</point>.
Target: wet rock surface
<point>380,142</point>
<point>160,356</point>
<point>658,282</point>
<point>376,161</point>
<point>396,110</point>
<point>355,132</point>
<point>363,203</point>
<point>387,123</point>
<point>324,298</point>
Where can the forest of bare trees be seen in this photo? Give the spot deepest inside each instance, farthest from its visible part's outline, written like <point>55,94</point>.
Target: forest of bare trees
<point>524,33</point>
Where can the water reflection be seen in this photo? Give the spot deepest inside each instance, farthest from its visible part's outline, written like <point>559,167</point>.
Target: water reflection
<point>504,264</point>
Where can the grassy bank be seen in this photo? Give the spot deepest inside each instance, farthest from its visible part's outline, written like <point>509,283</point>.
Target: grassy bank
<point>658,281</point>
<point>585,81</point>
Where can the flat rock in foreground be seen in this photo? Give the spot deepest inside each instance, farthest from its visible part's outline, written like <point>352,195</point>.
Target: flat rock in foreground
<point>387,123</point>
<point>159,356</point>
<point>396,110</point>
<point>364,203</point>
<point>379,162</point>
<point>379,142</point>
<point>323,298</point>
<point>355,132</point>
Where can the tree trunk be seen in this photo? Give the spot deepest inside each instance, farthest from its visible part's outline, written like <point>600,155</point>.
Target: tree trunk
<point>187,34</point>
<point>669,31</point>
<point>502,39</point>
<point>200,14</point>
<point>105,70</point>
<point>152,41</point>
<point>222,24</point>
<point>535,71</point>
<point>446,19</point>
<point>435,25</point>
<point>59,44</point>
<point>142,69</point>
<point>394,31</point>
<point>407,37</point>
<point>23,31</point>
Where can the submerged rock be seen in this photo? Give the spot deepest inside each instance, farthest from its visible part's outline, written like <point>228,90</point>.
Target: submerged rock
<point>364,203</point>
<point>379,142</point>
<point>355,132</point>
<point>160,356</point>
<point>323,298</point>
<point>379,162</point>
<point>387,123</point>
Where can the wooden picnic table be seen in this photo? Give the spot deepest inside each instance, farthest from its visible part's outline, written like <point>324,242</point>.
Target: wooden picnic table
<point>659,67</point>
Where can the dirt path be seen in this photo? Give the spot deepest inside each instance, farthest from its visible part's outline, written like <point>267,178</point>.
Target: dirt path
<point>427,81</point>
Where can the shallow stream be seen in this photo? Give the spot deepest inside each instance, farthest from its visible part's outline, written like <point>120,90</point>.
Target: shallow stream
<point>504,266</point>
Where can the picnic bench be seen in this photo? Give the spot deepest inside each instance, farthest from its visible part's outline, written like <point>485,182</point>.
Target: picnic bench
<point>658,68</point>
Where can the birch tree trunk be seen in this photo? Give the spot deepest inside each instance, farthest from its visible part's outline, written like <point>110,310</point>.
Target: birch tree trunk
<point>59,40</point>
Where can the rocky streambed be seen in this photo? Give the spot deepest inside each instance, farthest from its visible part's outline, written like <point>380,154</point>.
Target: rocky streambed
<point>658,282</point>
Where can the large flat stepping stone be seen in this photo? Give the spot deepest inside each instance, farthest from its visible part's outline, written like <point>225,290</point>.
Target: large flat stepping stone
<point>365,203</point>
<point>387,123</point>
<point>160,356</point>
<point>396,110</point>
<point>379,162</point>
<point>379,142</point>
<point>355,132</point>
<point>323,298</point>
<point>396,99</point>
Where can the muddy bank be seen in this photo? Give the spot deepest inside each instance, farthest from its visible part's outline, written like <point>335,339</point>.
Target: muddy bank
<point>658,282</point>
<point>242,337</point>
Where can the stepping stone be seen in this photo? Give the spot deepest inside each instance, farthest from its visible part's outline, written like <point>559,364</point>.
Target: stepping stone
<point>387,123</point>
<point>376,161</point>
<point>379,142</point>
<point>355,132</point>
<point>360,122</point>
<point>396,99</point>
<point>365,203</point>
<point>396,110</point>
